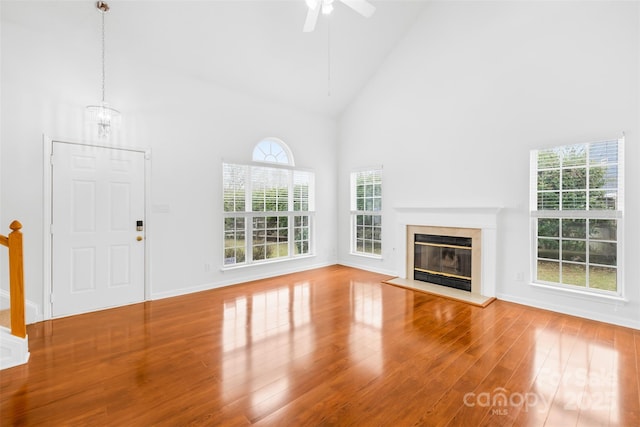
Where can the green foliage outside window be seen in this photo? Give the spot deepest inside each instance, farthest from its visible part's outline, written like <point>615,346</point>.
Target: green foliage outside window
<point>271,190</point>
<point>576,249</point>
<point>367,195</point>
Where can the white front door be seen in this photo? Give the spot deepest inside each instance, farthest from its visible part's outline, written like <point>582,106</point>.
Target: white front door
<point>97,252</point>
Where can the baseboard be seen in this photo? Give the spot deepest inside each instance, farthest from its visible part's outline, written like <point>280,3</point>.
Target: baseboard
<point>369,268</point>
<point>235,281</point>
<point>572,311</point>
<point>31,311</point>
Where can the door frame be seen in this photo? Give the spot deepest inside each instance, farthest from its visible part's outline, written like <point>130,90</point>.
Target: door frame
<point>47,287</point>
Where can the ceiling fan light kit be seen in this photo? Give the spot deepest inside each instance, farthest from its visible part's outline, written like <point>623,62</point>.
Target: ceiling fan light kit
<point>363,7</point>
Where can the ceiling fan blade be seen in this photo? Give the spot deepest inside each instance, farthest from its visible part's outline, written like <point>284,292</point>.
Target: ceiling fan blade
<point>363,7</point>
<point>312,18</point>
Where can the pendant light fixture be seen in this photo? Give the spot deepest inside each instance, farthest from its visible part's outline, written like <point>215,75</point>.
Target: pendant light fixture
<point>102,115</point>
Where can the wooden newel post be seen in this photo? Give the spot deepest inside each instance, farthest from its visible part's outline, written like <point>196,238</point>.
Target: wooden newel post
<point>16,280</point>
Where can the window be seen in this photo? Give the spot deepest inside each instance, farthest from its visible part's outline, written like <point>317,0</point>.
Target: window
<point>272,150</point>
<point>268,210</point>
<point>366,212</point>
<point>577,214</point>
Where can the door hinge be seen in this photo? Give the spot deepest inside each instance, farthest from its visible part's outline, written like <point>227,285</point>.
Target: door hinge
<point>51,298</point>
<point>51,159</point>
<point>51,229</point>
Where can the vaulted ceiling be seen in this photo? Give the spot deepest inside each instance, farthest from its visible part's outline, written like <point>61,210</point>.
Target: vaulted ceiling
<point>256,47</point>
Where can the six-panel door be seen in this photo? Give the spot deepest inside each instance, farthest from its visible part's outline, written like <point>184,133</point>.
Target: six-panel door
<point>98,254</point>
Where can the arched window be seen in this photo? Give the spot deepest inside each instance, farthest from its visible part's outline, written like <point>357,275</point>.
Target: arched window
<point>273,150</point>
<point>268,209</point>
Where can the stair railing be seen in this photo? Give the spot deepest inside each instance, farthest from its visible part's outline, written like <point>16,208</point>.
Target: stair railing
<point>16,279</point>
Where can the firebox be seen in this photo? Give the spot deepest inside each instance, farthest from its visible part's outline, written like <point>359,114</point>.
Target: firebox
<point>443,260</point>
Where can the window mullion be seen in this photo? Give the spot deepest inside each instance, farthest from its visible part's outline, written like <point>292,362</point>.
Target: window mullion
<point>561,189</point>
<point>587,192</point>
<point>248,224</point>
<point>587,260</point>
<point>290,233</point>
<point>290,192</point>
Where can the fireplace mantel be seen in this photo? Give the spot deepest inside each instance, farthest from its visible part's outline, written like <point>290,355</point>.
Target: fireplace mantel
<point>484,218</point>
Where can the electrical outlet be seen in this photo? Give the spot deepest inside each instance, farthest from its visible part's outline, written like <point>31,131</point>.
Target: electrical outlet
<point>207,268</point>
<point>520,276</point>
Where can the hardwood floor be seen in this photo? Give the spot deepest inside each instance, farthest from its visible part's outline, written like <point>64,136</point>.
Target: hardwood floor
<point>332,346</point>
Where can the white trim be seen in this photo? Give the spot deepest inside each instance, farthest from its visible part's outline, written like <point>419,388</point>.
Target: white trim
<point>231,282</point>
<point>250,171</point>
<point>618,215</point>
<point>574,310</point>
<point>47,204</point>
<point>367,168</point>
<point>232,267</point>
<point>604,214</point>
<point>587,295</point>
<point>14,350</point>
<point>366,255</point>
<point>354,212</point>
<point>285,148</point>
<point>370,268</point>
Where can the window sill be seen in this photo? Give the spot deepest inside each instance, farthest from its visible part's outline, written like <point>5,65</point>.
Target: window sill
<point>366,255</point>
<point>591,296</point>
<point>258,263</point>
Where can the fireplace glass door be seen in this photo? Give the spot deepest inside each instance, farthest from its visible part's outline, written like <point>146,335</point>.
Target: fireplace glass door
<point>443,260</point>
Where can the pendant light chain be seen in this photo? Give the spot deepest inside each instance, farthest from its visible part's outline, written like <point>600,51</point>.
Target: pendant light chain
<point>328,57</point>
<point>103,115</point>
<point>103,55</point>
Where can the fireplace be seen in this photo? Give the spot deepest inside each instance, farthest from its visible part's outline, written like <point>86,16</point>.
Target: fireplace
<point>443,260</point>
<point>478,223</point>
<point>446,256</point>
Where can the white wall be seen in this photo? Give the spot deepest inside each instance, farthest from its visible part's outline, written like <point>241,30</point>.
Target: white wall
<point>455,110</point>
<point>190,125</point>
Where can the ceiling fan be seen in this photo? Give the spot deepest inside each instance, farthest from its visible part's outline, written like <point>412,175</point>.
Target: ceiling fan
<point>363,7</point>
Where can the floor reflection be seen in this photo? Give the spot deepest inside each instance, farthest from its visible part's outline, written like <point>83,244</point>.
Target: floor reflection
<point>366,312</point>
<point>262,335</point>
<point>579,375</point>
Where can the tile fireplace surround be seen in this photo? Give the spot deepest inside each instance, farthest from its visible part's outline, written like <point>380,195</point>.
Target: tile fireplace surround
<point>477,220</point>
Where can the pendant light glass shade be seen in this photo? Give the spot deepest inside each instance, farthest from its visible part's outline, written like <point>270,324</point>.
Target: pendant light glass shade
<point>102,116</point>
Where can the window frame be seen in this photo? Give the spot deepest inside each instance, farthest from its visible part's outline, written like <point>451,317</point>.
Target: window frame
<point>273,151</point>
<point>587,215</point>
<point>299,210</point>
<point>376,214</point>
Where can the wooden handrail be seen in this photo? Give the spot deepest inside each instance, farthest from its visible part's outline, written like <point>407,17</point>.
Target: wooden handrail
<point>16,279</point>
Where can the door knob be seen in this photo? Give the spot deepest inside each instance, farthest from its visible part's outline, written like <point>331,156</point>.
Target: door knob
<point>139,238</point>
